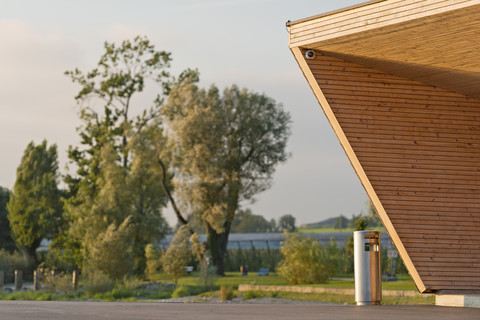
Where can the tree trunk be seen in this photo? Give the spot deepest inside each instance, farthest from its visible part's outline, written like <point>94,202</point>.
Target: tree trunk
<point>217,244</point>
<point>30,257</point>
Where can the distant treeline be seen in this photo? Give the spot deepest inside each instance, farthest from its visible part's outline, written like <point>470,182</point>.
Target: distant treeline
<point>341,222</point>
<point>247,222</point>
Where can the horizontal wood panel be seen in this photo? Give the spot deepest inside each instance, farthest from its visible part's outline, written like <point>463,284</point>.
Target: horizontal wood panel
<point>434,217</point>
<point>466,239</point>
<point>380,87</point>
<point>429,220</point>
<point>419,147</point>
<point>450,267</point>
<point>416,153</point>
<point>410,109</point>
<point>417,186</point>
<point>438,199</point>
<point>393,98</point>
<point>405,130</point>
<point>457,252</point>
<point>447,194</point>
<point>396,98</point>
<point>447,174</point>
<point>439,245</point>
<point>401,119</point>
<point>411,136</point>
<point>443,228</point>
<point>452,275</point>
<point>409,231</point>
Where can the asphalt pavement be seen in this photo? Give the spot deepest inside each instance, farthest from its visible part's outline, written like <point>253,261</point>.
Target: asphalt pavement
<point>16,310</point>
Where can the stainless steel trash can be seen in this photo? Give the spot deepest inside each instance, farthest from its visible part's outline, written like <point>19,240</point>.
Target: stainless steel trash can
<point>368,283</point>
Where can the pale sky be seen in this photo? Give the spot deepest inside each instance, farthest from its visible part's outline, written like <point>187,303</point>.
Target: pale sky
<point>229,41</point>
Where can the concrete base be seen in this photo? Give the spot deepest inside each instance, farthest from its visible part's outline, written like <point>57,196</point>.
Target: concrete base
<point>457,299</point>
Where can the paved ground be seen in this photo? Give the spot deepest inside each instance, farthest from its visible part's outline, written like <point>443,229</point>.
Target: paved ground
<point>16,310</point>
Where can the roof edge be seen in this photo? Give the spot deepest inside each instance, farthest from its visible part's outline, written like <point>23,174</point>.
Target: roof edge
<point>358,5</point>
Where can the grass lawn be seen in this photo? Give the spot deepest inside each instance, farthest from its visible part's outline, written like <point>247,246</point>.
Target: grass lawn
<point>235,278</point>
<point>338,298</point>
<point>191,285</point>
<point>231,279</point>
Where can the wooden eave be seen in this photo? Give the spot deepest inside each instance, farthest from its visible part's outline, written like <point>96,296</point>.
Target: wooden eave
<point>433,41</point>
<point>423,52</point>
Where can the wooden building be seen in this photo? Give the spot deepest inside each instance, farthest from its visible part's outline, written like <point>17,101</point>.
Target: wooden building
<point>399,81</point>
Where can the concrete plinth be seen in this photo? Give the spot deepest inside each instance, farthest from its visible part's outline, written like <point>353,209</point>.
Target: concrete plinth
<point>458,299</point>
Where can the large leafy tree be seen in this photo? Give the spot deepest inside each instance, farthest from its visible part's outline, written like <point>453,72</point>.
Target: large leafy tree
<point>245,221</point>
<point>287,222</point>
<point>6,241</point>
<point>116,178</point>
<point>34,206</point>
<point>106,103</point>
<point>226,148</point>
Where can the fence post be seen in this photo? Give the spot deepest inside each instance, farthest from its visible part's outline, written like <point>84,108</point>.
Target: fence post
<point>18,279</point>
<point>36,280</point>
<point>2,280</point>
<point>75,280</point>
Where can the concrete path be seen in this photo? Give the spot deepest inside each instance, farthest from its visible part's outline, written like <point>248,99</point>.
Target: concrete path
<point>16,310</point>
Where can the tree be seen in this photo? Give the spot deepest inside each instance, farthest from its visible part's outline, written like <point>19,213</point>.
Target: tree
<point>341,223</point>
<point>121,73</point>
<point>226,148</point>
<point>34,207</point>
<point>373,218</point>
<point>178,254</point>
<point>361,223</point>
<point>117,177</point>
<point>287,223</point>
<point>6,241</point>
<point>153,261</point>
<point>112,252</point>
<point>245,221</point>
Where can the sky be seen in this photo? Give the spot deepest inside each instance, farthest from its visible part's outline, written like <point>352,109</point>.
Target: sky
<point>243,42</point>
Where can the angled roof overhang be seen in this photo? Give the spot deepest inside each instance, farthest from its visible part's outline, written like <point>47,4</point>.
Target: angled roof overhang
<point>398,82</point>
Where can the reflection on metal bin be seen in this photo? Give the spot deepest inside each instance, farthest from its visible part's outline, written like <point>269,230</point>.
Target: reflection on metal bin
<point>368,283</point>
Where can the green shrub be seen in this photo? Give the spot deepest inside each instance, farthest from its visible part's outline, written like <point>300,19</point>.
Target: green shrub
<point>304,261</point>
<point>180,292</point>
<point>152,260</point>
<point>252,295</point>
<point>97,282</point>
<point>61,282</point>
<point>208,276</point>
<point>226,293</point>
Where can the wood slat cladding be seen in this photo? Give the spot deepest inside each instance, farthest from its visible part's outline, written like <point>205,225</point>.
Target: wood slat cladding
<point>368,16</point>
<point>418,146</point>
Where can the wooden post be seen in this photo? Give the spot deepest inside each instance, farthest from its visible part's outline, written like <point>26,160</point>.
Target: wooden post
<point>36,280</point>
<point>18,279</point>
<point>2,280</point>
<point>75,280</point>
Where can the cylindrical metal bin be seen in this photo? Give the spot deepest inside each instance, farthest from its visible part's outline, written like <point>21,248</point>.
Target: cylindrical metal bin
<point>368,282</point>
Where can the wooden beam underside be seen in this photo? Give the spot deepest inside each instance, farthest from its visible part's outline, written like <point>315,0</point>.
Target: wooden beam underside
<point>439,47</point>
